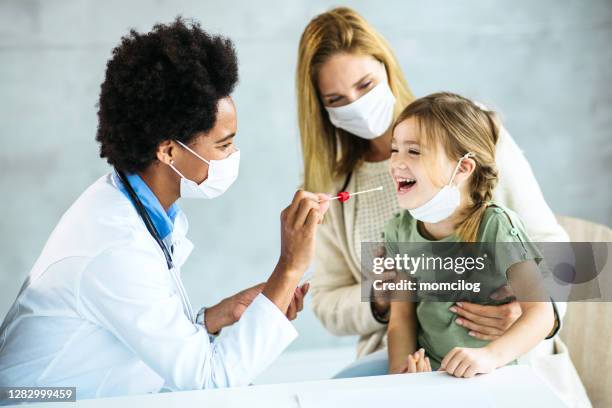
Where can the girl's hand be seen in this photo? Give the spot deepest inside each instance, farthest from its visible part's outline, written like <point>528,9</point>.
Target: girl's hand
<point>467,362</point>
<point>415,363</point>
<point>487,322</point>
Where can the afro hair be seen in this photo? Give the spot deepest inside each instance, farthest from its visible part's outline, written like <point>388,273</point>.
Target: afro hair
<point>161,85</point>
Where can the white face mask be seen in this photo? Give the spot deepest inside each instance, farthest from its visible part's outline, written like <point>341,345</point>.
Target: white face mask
<point>443,204</point>
<point>369,116</point>
<point>221,175</point>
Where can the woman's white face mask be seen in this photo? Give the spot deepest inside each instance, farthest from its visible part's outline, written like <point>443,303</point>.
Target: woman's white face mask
<point>367,117</point>
<point>221,175</point>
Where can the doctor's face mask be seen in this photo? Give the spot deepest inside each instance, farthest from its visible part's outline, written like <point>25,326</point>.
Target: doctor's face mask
<point>221,175</point>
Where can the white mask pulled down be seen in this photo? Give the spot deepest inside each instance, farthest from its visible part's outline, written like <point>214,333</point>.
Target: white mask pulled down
<point>443,203</point>
<point>367,117</point>
<point>221,175</point>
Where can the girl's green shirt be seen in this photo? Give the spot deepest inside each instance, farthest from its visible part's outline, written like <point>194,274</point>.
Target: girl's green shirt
<point>438,333</point>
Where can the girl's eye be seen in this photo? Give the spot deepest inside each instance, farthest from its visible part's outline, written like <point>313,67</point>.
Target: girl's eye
<point>414,152</point>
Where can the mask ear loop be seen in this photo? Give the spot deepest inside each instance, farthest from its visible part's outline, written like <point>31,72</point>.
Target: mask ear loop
<point>465,156</point>
<point>192,151</point>
<point>175,169</point>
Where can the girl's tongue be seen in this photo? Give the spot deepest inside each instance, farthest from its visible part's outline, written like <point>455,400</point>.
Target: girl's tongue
<point>405,185</point>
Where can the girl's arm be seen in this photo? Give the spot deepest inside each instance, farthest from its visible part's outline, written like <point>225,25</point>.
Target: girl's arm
<point>401,334</point>
<point>532,327</point>
<point>537,319</point>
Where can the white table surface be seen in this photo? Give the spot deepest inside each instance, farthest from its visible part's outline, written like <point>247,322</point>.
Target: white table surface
<point>515,386</point>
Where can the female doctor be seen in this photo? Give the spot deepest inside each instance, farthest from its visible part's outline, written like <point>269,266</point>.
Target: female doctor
<point>103,308</point>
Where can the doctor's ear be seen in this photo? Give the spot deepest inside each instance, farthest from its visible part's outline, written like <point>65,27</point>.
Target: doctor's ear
<point>166,151</point>
<point>465,170</point>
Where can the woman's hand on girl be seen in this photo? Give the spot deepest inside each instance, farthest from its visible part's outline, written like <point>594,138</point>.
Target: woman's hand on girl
<point>467,362</point>
<point>486,322</point>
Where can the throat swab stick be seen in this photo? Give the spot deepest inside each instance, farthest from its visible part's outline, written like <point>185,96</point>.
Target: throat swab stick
<point>345,195</point>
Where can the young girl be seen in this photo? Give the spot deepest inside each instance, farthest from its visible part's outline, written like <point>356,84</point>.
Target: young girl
<point>443,165</point>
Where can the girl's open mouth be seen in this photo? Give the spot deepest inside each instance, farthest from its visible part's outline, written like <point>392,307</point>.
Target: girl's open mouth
<point>405,185</point>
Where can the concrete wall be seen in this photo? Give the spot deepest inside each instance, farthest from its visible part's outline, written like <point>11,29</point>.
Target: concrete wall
<point>545,65</point>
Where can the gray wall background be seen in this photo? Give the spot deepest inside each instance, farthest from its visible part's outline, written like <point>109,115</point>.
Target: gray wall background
<point>545,65</point>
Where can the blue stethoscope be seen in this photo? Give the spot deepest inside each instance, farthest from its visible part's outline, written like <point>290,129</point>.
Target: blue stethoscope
<point>142,212</point>
<point>144,215</point>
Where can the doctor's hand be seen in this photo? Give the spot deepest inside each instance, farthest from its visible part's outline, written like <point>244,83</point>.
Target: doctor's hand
<point>298,225</point>
<point>297,303</point>
<point>298,230</point>
<point>229,310</point>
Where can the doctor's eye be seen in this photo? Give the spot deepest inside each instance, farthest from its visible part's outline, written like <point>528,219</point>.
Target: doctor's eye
<point>226,146</point>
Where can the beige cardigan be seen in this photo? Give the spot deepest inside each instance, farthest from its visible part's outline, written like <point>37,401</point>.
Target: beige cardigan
<point>336,291</point>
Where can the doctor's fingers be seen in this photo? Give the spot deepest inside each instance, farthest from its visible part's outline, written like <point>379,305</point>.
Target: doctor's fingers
<point>303,214</point>
<point>313,219</point>
<point>298,197</point>
<point>299,299</point>
<point>324,202</point>
<point>292,310</point>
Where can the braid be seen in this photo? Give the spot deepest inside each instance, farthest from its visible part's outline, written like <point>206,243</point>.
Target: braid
<point>484,181</point>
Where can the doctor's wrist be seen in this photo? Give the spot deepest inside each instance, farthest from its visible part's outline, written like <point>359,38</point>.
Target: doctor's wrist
<point>288,269</point>
<point>212,318</point>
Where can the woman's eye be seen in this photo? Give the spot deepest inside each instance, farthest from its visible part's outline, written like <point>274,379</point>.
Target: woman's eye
<point>365,85</point>
<point>331,101</point>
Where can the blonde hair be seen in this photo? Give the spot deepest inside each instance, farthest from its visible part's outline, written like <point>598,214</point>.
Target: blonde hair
<point>330,152</point>
<point>459,126</point>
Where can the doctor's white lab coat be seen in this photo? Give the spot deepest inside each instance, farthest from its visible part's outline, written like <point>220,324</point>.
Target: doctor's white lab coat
<point>101,311</point>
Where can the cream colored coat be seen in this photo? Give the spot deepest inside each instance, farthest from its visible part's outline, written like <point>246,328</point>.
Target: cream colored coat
<point>336,290</point>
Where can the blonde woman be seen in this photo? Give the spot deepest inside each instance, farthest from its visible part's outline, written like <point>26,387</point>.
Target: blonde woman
<point>350,88</point>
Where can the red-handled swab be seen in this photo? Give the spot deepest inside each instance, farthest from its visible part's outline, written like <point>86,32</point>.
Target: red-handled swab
<point>345,195</point>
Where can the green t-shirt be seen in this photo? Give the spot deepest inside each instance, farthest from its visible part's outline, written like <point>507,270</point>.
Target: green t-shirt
<point>438,333</point>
